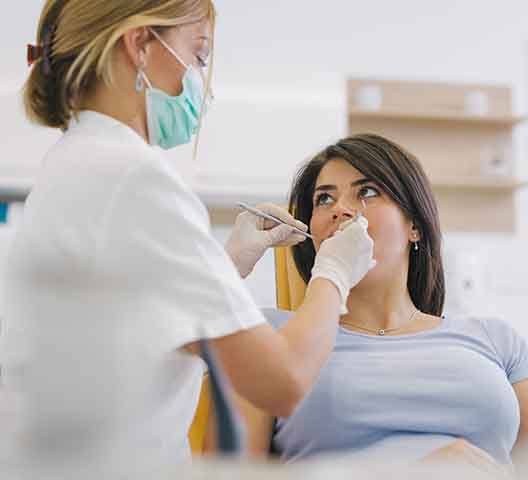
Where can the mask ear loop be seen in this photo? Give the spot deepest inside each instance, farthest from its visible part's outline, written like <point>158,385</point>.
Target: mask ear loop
<point>168,47</point>
<point>145,78</point>
<point>173,52</point>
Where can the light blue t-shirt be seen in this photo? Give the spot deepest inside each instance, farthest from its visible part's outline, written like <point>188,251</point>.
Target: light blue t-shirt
<point>397,398</point>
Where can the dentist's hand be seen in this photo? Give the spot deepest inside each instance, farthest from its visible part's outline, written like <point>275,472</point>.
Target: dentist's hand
<point>252,236</point>
<point>346,257</point>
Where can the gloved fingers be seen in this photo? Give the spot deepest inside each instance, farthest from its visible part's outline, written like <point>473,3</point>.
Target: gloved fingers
<point>360,220</point>
<point>281,213</point>
<point>278,235</point>
<point>246,218</point>
<point>293,239</point>
<point>261,223</point>
<point>356,228</point>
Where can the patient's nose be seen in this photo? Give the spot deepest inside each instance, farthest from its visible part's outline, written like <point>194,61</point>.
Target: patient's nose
<point>343,211</point>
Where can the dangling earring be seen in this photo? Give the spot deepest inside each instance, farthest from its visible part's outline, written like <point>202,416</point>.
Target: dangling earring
<point>140,78</point>
<point>415,237</point>
<point>140,83</point>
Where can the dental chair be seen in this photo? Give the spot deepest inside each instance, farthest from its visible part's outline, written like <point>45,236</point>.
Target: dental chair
<point>201,417</point>
<point>289,285</point>
<point>290,291</point>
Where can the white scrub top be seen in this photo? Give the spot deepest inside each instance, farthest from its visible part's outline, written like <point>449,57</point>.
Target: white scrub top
<point>113,268</point>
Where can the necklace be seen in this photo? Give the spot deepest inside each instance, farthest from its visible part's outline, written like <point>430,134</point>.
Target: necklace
<point>382,331</point>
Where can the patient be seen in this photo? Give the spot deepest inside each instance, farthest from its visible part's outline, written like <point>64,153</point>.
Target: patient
<point>403,383</point>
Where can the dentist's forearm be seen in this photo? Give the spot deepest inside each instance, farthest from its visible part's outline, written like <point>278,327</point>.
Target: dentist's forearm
<point>311,333</point>
<point>274,370</point>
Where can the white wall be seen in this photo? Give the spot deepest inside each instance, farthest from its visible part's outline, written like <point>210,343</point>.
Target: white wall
<point>279,77</point>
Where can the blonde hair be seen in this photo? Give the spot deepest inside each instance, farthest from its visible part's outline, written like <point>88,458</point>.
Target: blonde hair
<point>81,36</point>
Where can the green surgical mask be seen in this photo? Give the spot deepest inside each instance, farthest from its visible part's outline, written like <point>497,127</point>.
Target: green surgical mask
<point>173,120</point>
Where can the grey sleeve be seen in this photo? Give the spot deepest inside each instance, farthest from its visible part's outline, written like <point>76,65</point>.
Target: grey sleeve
<point>511,348</point>
<point>275,317</point>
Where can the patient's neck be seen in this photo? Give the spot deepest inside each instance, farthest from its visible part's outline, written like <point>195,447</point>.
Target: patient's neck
<point>375,307</point>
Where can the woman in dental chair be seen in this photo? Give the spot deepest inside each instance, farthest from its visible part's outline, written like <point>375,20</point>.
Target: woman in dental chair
<point>403,382</point>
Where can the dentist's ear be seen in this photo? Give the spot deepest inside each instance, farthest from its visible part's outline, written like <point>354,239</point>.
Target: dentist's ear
<point>136,46</point>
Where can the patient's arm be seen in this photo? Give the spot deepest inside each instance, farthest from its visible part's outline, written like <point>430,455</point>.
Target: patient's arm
<point>520,451</point>
<point>259,429</point>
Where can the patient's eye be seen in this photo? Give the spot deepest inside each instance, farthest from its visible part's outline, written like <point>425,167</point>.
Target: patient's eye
<point>368,192</point>
<point>323,199</point>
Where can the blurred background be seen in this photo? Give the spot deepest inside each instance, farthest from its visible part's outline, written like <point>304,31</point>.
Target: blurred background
<point>282,92</point>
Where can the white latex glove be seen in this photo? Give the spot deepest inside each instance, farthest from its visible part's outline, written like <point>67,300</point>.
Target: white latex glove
<point>346,257</point>
<point>252,236</point>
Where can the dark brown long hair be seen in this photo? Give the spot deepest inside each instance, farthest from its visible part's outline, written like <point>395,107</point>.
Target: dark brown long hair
<point>399,174</point>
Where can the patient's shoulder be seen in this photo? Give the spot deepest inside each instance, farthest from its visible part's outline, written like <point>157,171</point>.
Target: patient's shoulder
<point>276,317</point>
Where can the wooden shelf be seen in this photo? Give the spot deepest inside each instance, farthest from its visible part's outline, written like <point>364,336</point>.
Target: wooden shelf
<point>431,120</point>
<point>454,118</point>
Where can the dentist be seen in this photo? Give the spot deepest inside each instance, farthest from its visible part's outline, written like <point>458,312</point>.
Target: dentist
<point>114,274</point>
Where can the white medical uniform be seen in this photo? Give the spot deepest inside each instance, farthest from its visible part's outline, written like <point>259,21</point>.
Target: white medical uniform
<point>113,269</point>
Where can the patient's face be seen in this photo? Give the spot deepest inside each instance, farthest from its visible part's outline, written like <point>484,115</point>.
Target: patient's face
<point>340,192</point>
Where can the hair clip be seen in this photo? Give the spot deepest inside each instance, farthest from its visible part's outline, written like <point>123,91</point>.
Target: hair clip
<point>42,51</point>
<point>34,53</point>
